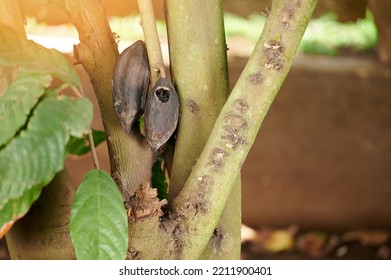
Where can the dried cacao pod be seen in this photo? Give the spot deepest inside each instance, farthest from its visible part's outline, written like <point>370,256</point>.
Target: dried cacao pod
<point>130,84</point>
<point>161,113</point>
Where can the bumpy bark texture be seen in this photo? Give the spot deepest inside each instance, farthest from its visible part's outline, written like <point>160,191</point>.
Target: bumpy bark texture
<point>200,72</point>
<point>130,156</point>
<point>206,191</point>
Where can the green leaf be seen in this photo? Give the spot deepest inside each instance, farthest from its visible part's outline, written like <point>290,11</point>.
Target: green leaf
<point>99,225</point>
<point>18,100</point>
<point>159,179</point>
<point>80,146</point>
<point>38,153</point>
<point>30,56</point>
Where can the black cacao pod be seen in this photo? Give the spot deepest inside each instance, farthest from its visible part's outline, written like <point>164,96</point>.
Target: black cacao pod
<point>161,113</point>
<point>130,84</point>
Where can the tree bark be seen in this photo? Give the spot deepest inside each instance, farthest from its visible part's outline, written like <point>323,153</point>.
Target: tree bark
<point>130,156</point>
<point>202,199</point>
<point>381,11</point>
<point>198,55</point>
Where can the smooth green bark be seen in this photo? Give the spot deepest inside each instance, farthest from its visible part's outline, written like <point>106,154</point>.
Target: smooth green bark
<point>152,41</point>
<point>198,63</point>
<point>198,56</point>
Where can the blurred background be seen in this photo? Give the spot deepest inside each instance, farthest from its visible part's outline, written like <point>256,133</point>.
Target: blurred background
<point>317,182</point>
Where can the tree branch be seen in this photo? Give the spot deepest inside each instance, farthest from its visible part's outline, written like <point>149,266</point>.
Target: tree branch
<point>200,72</point>
<point>198,62</point>
<point>155,56</point>
<point>130,156</point>
<point>93,150</point>
<point>239,121</point>
<point>94,156</point>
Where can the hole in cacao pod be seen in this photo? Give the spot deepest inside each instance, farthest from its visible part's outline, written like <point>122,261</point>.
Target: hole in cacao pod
<point>163,94</point>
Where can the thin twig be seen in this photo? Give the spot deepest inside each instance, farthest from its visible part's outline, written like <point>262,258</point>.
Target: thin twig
<point>78,91</point>
<point>91,139</point>
<point>94,156</point>
<point>148,24</point>
<point>93,150</point>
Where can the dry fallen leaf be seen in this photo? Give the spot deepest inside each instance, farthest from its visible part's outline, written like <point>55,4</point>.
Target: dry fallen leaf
<point>367,237</point>
<point>279,240</point>
<point>313,244</point>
